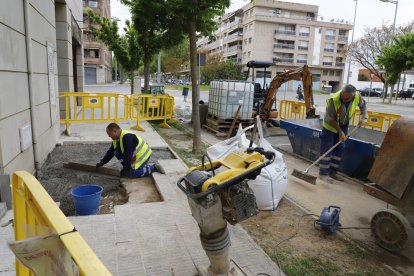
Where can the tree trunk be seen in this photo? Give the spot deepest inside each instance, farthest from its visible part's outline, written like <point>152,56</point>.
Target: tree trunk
<point>132,81</point>
<point>195,90</point>
<point>147,62</point>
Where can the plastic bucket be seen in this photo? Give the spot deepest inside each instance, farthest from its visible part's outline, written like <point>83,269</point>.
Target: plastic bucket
<point>86,199</point>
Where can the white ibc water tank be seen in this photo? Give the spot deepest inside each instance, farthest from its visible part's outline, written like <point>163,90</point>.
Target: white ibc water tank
<point>226,96</point>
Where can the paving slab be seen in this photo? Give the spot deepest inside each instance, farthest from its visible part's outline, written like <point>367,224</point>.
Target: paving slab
<point>6,256</point>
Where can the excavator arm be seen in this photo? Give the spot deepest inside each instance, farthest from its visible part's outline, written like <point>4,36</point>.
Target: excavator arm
<point>297,74</point>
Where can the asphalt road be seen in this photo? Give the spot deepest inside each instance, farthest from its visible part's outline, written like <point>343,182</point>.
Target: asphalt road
<point>400,107</point>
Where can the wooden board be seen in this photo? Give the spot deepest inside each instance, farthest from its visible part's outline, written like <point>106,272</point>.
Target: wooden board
<point>376,191</point>
<point>215,132</point>
<point>91,168</point>
<point>393,168</point>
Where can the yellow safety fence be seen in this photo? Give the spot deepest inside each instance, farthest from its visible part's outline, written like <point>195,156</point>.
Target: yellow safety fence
<point>292,110</point>
<point>112,107</point>
<point>34,207</point>
<point>147,107</point>
<point>376,120</point>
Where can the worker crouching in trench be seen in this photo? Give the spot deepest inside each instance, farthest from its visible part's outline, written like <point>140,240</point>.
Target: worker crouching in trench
<point>131,150</point>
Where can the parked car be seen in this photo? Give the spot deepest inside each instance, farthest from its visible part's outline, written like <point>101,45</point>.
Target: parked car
<point>408,93</point>
<point>375,92</point>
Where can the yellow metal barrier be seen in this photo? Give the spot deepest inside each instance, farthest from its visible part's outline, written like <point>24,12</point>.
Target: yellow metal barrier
<point>376,120</point>
<point>147,107</point>
<point>33,206</point>
<point>292,110</point>
<point>95,108</point>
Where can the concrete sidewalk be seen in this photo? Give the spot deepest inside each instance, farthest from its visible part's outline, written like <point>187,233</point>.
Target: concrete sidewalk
<point>159,238</point>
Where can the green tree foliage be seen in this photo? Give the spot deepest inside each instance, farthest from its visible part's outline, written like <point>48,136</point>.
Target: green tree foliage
<point>362,77</point>
<point>398,57</point>
<point>365,50</point>
<point>195,17</point>
<point>217,69</point>
<point>125,48</point>
<point>154,28</point>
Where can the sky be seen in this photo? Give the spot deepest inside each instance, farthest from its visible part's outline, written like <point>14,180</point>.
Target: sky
<point>370,13</point>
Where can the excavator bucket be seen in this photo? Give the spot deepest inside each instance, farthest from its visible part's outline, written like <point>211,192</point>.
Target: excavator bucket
<point>393,168</point>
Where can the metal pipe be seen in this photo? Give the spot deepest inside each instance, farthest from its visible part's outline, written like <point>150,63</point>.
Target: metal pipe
<point>26,8</point>
<point>392,40</point>
<point>352,40</point>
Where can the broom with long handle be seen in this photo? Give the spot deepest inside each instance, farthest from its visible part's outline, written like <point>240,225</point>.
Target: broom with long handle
<point>304,175</point>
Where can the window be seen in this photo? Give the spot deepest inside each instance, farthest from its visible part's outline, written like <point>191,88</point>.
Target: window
<point>302,58</point>
<point>337,73</point>
<point>304,31</point>
<point>93,3</point>
<point>329,47</point>
<point>327,61</point>
<point>331,72</point>
<point>250,40</point>
<point>325,72</point>
<point>303,45</point>
<point>245,41</point>
<point>250,26</point>
<point>249,54</point>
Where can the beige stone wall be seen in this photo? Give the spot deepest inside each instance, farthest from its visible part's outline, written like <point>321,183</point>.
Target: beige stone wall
<point>49,53</point>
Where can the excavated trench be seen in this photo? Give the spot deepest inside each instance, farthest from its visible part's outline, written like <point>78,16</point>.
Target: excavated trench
<point>59,181</point>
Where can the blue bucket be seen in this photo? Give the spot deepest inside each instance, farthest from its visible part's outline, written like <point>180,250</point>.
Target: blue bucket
<point>86,199</point>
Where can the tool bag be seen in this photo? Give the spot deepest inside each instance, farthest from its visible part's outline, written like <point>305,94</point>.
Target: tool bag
<point>268,187</point>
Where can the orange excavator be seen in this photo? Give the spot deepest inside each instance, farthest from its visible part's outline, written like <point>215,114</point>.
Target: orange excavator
<point>268,97</point>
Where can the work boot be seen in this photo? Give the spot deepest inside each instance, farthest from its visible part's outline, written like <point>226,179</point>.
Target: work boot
<point>326,178</point>
<point>337,177</point>
<point>159,168</point>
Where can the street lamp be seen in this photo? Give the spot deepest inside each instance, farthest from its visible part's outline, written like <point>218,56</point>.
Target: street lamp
<point>352,40</point>
<point>392,32</point>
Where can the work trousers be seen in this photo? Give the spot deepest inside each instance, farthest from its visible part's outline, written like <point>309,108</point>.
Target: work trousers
<point>144,170</point>
<point>330,163</point>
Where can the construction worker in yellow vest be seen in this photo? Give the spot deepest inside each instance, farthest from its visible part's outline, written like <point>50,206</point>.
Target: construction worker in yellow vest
<point>133,152</point>
<point>340,108</point>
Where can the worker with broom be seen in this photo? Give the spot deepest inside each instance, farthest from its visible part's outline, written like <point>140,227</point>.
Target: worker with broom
<point>340,108</point>
<point>133,152</point>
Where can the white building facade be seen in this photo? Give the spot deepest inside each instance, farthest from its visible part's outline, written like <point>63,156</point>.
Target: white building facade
<point>288,34</point>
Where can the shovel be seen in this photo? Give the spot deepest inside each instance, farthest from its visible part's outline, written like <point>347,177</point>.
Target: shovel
<point>304,175</point>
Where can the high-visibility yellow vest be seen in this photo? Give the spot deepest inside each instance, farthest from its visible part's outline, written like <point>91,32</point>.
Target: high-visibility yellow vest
<point>141,153</point>
<point>337,104</point>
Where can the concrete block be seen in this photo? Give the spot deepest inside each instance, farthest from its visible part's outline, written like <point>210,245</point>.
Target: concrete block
<point>13,15</point>
<point>46,9</point>
<point>5,190</point>
<point>40,88</point>
<point>10,139</point>
<point>39,58</point>
<point>173,166</point>
<point>15,93</point>
<point>13,49</point>
<point>41,29</point>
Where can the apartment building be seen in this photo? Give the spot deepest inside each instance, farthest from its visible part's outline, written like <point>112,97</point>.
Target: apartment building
<point>41,56</point>
<point>98,58</point>
<point>288,34</point>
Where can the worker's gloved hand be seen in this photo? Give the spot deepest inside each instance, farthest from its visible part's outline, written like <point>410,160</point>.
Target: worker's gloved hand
<point>362,122</point>
<point>125,172</point>
<point>99,164</point>
<point>342,136</point>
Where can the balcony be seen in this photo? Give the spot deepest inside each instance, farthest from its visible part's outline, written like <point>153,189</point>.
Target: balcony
<point>339,51</point>
<point>339,64</point>
<point>303,48</point>
<point>329,50</point>
<point>329,37</point>
<point>304,34</point>
<point>233,48</point>
<point>326,63</point>
<point>342,38</point>
<point>285,60</point>
<point>232,36</point>
<point>284,46</point>
<point>285,32</point>
<point>301,61</point>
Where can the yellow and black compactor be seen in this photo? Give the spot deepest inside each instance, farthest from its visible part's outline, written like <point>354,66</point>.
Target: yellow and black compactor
<point>218,193</point>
